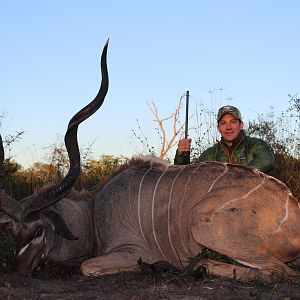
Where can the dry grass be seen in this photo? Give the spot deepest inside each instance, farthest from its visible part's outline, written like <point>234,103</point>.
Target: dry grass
<point>288,171</point>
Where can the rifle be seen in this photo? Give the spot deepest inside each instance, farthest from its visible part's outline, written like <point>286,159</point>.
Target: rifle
<point>186,155</point>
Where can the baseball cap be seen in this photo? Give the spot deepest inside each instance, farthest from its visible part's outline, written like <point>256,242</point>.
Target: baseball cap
<point>228,109</point>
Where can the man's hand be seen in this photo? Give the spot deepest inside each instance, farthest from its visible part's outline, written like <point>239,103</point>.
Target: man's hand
<point>184,146</point>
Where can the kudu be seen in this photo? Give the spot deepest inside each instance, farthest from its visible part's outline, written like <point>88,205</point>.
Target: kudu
<point>158,212</point>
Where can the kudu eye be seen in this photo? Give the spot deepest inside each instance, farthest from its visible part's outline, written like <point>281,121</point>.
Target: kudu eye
<point>38,232</point>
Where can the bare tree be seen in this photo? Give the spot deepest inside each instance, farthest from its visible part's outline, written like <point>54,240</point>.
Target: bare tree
<point>177,128</point>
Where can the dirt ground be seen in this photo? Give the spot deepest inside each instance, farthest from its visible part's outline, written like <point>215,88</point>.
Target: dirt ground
<point>62,285</point>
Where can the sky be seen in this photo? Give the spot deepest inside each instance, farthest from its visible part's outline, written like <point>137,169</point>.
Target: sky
<point>243,53</point>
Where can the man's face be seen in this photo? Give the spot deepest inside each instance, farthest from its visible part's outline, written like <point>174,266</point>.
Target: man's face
<point>229,127</point>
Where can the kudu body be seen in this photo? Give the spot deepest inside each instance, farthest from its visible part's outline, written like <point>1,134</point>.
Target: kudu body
<point>156,211</point>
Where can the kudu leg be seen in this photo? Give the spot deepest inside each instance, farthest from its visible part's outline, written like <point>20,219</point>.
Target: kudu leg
<point>243,273</point>
<point>226,270</point>
<point>109,264</point>
<point>236,239</point>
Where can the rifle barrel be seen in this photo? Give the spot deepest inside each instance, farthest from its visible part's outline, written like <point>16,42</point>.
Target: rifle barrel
<point>186,134</point>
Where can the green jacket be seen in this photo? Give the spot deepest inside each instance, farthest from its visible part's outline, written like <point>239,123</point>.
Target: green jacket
<point>245,150</point>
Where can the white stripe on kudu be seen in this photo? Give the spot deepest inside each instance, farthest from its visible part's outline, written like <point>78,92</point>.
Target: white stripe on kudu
<point>218,178</point>
<point>153,212</point>
<point>181,206</point>
<point>239,198</point>
<point>169,213</point>
<point>284,219</point>
<point>139,205</point>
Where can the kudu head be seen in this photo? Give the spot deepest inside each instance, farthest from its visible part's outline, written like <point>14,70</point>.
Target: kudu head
<point>32,221</point>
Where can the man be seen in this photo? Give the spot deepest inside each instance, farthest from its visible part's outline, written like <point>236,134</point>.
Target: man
<point>235,146</point>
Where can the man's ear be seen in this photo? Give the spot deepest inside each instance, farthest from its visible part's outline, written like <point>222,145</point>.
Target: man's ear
<point>242,125</point>
<point>218,128</point>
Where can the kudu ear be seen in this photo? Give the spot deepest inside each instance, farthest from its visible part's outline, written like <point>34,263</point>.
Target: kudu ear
<point>59,225</point>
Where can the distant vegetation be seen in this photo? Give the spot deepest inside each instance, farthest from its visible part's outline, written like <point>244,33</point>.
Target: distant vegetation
<point>21,183</point>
